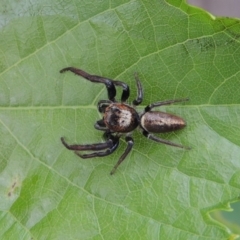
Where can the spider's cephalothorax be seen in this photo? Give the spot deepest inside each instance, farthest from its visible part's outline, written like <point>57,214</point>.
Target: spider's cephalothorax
<point>121,118</point>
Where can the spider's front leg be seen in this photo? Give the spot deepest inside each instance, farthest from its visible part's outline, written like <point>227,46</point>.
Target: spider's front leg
<point>109,83</point>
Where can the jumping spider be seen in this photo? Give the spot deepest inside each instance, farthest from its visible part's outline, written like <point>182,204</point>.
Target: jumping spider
<point>120,118</point>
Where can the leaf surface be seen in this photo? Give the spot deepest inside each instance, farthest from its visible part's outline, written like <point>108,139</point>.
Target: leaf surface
<point>158,192</point>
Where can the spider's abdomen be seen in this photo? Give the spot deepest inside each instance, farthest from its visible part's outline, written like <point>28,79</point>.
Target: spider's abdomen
<point>120,117</point>
<point>161,122</point>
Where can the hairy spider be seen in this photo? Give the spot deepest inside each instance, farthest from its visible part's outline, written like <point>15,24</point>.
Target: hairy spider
<point>121,119</point>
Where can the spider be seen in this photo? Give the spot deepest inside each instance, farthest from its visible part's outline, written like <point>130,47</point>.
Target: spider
<point>120,118</point>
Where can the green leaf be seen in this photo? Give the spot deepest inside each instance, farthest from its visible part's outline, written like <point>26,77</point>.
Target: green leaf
<point>158,192</point>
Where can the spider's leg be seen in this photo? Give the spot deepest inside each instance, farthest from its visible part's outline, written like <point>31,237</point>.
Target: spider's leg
<point>158,104</point>
<point>102,105</point>
<point>111,145</point>
<point>126,91</point>
<point>97,79</point>
<point>87,147</point>
<point>139,98</point>
<point>130,143</point>
<point>160,140</point>
<point>100,154</point>
<point>114,144</point>
<point>100,125</point>
<point>109,83</point>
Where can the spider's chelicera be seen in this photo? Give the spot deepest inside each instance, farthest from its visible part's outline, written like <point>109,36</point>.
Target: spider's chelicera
<point>121,119</point>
